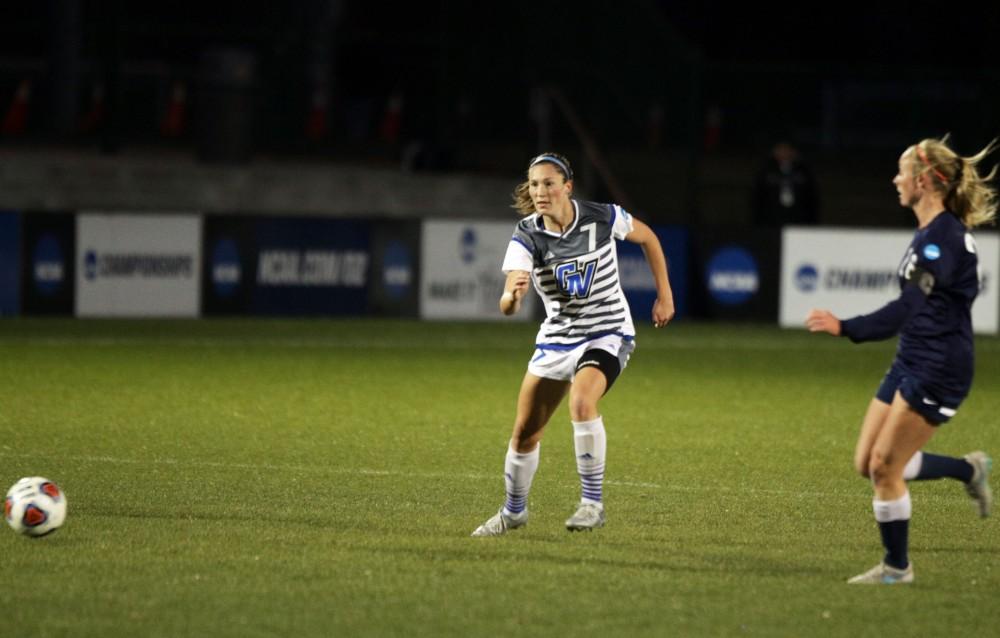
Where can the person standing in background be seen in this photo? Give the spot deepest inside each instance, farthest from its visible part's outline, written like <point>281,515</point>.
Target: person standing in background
<point>784,190</point>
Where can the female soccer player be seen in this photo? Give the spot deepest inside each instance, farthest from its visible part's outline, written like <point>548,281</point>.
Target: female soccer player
<point>932,371</point>
<point>566,248</point>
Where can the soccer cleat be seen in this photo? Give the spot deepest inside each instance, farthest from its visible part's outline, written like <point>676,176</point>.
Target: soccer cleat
<point>883,574</point>
<point>588,516</point>
<point>979,487</point>
<point>501,523</point>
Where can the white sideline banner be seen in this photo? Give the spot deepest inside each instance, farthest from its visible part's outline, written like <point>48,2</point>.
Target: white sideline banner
<point>460,276</point>
<point>853,271</point>
<point>138,265</point>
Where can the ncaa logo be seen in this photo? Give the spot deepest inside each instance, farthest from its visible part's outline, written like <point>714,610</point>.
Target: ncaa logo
<point>90,265</point>
<point>733,277</point>
<point>226,270</point>
<point>467,245</point>
<point>397,274</point>
<point>806,278</point>
<point>932,251</point>
<point>48,265</point>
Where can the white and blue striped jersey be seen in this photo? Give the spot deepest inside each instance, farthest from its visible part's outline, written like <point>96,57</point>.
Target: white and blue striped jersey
<point>575,273</point>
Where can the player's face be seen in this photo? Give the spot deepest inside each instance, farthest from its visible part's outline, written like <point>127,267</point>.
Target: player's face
<point>548,188</point>
<point>907,185</point>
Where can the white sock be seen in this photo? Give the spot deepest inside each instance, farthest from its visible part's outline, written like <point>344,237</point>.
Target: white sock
<point>591,444</point>
<point>912,468</point>
<point>897,510</point>
<point>518,471</point>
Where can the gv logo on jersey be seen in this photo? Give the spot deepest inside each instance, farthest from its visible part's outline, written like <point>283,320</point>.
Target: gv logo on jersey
<point>576,279</point>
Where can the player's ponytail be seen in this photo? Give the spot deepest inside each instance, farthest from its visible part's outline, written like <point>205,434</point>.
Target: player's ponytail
<point>973,199</point>
<point>522,199</point>
<point>966,193</point>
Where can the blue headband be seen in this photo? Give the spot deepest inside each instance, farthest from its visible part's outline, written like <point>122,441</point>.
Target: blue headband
<point>554,160</point>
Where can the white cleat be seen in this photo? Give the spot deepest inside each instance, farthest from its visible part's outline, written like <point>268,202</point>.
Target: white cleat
<point>883,574</point>
<point>979,487</point>
<point>501,523</point>
<point>589,516</point>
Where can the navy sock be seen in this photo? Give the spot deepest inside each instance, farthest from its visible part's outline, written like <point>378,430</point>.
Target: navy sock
<point>895,538</point>
<point>935,466</point>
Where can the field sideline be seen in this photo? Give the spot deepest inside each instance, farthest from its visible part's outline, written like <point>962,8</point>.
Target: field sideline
<point>321,478</point>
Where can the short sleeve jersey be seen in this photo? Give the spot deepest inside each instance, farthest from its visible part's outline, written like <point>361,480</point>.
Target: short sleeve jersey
<point>575,273</point>
<point>937,343</point>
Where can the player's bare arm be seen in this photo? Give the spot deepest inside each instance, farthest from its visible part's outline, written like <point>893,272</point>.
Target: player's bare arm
<point>663,307</point>
<point>513,291</point>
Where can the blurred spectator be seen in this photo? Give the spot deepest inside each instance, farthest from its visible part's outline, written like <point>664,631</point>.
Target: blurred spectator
<point>175,118</point>
<point>392,119</point>
<point>94,117</point>
<point>784,190</point>
<point>713,127</point>
<point>15,121</point>
<point>317,120</point>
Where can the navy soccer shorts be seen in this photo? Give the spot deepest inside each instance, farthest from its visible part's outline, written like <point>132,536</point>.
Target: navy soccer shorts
<point>935,404</point>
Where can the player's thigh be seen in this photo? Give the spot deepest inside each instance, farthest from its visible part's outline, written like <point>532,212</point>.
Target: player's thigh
<point>538,399</point>
<point>904,432</point>
<point>876,415</point>
<point>588,387</point>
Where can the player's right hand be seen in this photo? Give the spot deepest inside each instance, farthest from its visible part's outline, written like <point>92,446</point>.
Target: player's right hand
<point>517,284</point>
<point>823,321</point>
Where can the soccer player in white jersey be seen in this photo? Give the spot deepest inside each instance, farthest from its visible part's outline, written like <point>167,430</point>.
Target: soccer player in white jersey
<point>566,248</point>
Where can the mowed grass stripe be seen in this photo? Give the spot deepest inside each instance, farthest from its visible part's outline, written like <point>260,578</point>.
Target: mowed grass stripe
<point>456,477</point>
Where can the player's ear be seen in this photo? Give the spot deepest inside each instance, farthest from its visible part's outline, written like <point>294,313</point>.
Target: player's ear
<point>926,182</point>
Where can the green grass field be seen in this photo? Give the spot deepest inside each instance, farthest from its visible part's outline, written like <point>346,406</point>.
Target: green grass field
<point>321,478</point>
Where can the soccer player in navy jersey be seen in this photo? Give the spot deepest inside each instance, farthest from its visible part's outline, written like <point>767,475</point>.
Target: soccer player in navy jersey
<point>566,248</point>
<point>932,370</point>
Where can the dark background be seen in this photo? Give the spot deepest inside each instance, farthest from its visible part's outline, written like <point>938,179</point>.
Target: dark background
<point>683,99</point>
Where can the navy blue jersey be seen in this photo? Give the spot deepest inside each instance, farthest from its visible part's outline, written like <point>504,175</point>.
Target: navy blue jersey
<point>939,279</point>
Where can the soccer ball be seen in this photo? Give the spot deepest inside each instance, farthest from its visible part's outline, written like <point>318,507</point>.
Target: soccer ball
<point>35,506</point>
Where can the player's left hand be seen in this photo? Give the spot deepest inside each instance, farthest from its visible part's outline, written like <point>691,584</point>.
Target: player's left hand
<point>663,312</point>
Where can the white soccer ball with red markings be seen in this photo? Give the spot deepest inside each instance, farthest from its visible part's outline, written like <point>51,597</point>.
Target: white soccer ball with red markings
<point>35,506</point>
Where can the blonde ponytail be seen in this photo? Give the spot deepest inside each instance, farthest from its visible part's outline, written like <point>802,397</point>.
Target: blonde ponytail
<point>973,199</point>
<point>965,192</point>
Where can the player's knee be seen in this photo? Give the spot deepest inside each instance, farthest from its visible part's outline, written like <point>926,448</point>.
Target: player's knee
<point>523,445</point>
<point>525,439</point>
<point>880,468</point>
<point>861,466</point>
<point>582,408</point>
